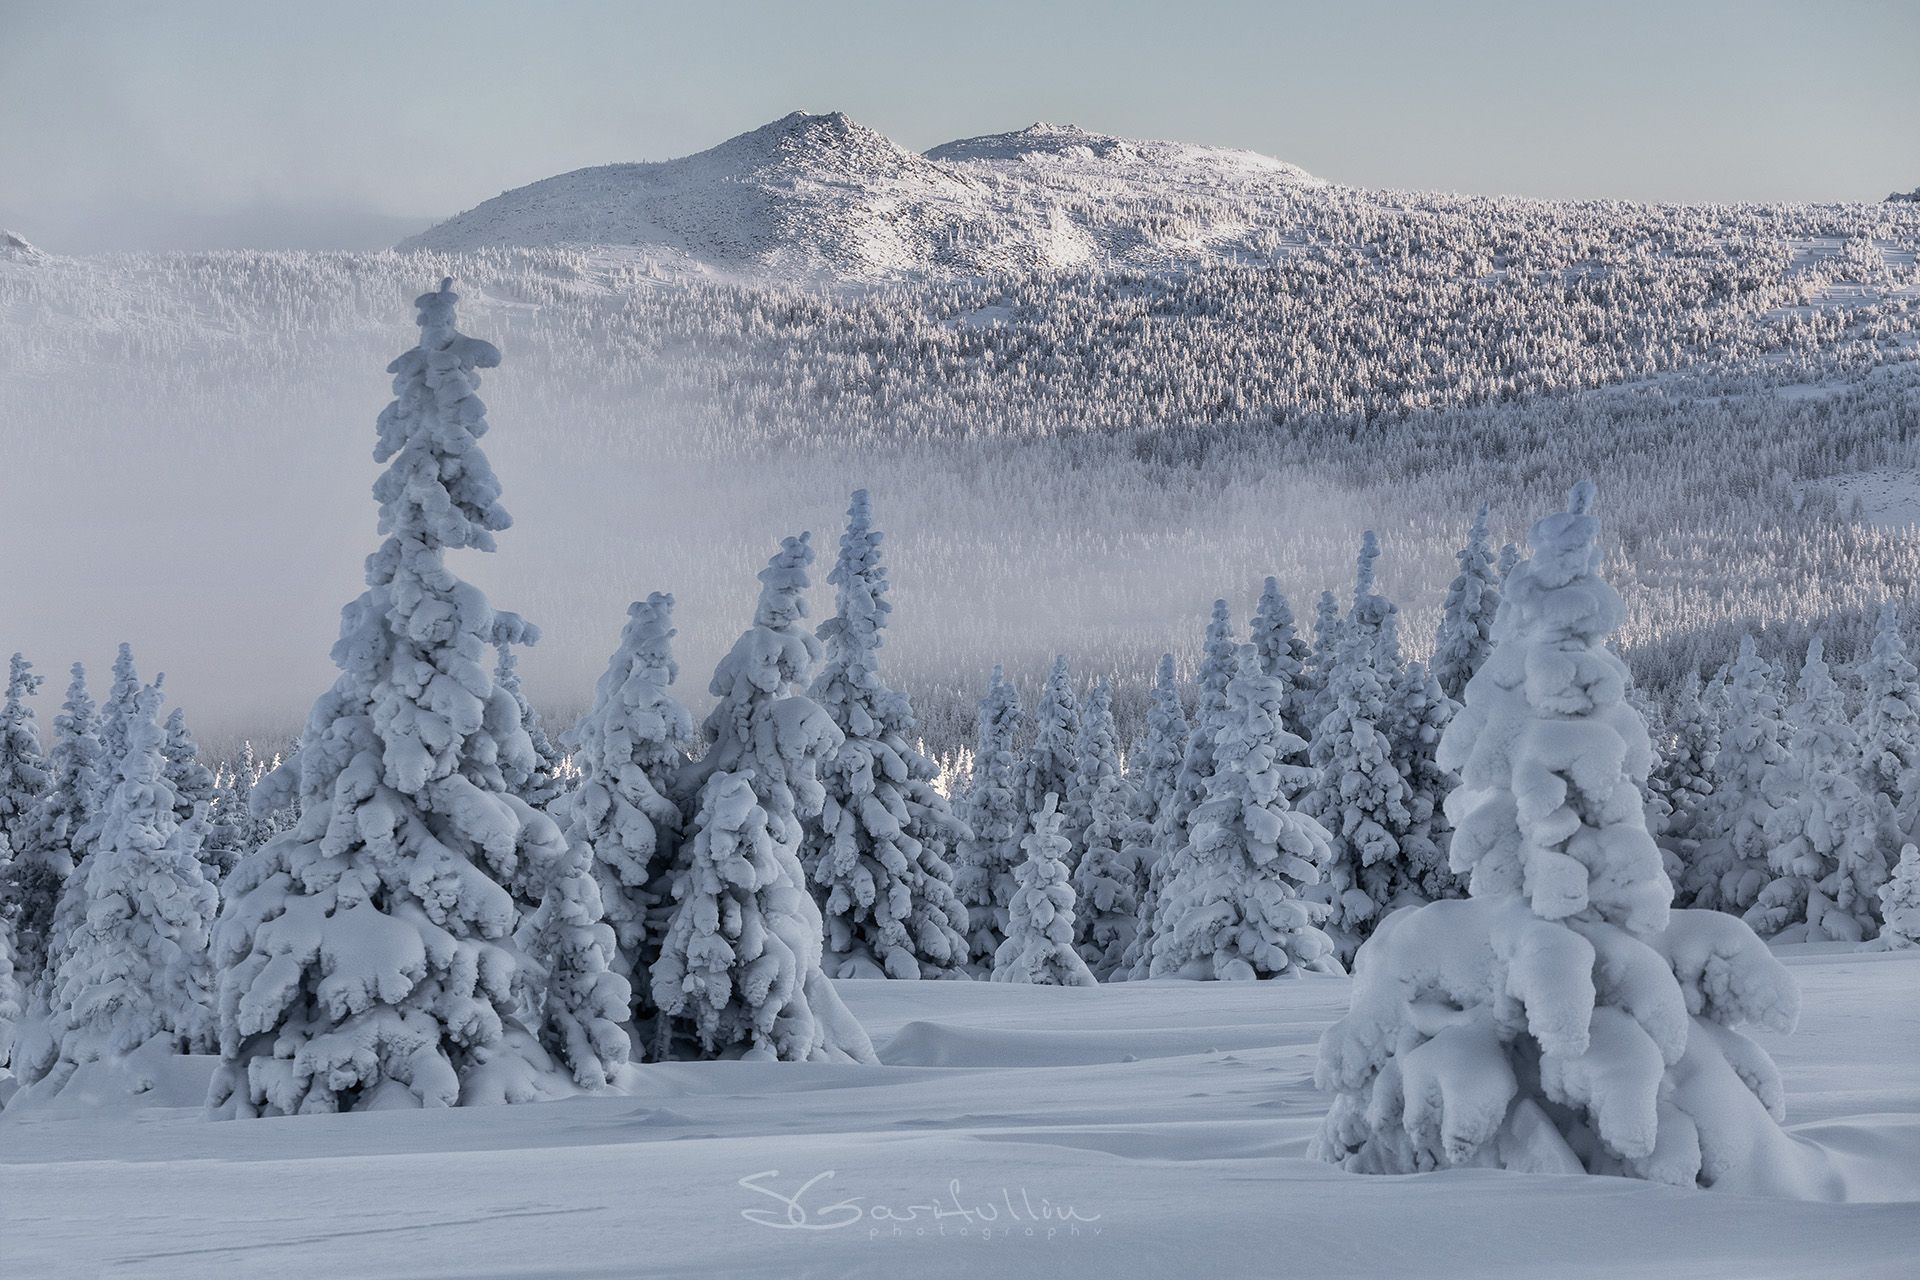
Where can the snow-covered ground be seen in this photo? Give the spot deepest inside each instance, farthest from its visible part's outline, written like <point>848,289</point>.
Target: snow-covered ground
<point>1014,1130</point>
<point>1887,496</point>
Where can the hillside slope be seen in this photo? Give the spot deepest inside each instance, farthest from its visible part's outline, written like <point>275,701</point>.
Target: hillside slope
<point>812,196</point>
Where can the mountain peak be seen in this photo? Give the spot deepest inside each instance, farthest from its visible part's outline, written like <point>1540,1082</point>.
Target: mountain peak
<point>17,246</point>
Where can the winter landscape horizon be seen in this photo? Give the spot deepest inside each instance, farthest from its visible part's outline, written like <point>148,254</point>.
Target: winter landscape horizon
<point>804,698</point>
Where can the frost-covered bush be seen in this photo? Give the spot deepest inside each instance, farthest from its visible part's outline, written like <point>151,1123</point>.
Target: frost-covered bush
<point>628,748</point>
<point>739,972</point>
<point>366,955</point>
<point>1107,883</point>
<point>1039,945</point>
<point>585,999</point>
<point>1563,1018</point>
<point>1232,905</point>
<point>879,851</point>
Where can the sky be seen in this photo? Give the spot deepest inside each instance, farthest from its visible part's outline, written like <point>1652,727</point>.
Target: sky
<point>202,124</point>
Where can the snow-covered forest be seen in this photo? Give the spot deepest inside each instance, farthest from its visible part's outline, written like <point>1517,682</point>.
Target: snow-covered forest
<point>1440,675</point>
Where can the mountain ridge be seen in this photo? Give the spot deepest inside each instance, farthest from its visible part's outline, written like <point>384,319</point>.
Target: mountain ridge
<point>812,197</point>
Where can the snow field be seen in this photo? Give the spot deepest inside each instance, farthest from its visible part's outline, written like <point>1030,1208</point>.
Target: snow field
<point>1120,1130</point>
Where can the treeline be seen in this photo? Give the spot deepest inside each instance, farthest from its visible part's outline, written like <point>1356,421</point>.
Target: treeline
<point>431,902</point>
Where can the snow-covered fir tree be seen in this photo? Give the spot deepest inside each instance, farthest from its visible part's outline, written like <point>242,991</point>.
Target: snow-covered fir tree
<point>1564,1018</point>
<point>1730,867</point>
<point>47,845</point>
<point>1096,758</point>
<point>1358,793</point>
<point>115,710</point>
<point>1312,699</point>
<point>1283,654</point>
<point>1155,775</point>
<point>1900,902</point>
<point>23,763</point>
<point>195,792</point>
<point>1040,919</point>
<point>134,966</point>
<point>1052,757</point>
<point>1218,660</point>
<point>739,972</point>
<point>1890,734</point>
<point>1232,907</point>
<point>12,1003</point>
<point>1822,842</point>
<point>366,955</point>
<point>585,1001</point>
<point>1107,881</point>
<point>1682,778</point>
<point>628,748</point>
<point>1466,618</point>
<point>546,781</point>
<point>880,852</point>
<point>1421,715</point>
<point>995,822</point>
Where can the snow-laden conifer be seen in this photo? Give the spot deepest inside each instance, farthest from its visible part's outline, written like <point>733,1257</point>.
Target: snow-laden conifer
<point>1219,657</point>
<point>134,966</point>
<point>116,709</point>
<point>1052,758</point>
<point>1890,734</point>
<point>584,1001</point>
<point>1730,866</point>
<point>1822,843</point>
<point>1682,778</point>
<point>628,749</point>
<point>1108,882</point>
<point>1359,794</point>
<point>1312,699</point>
<point>47,845</point>
<point>12,1002</point>
<point>1232,905</point>
<point>739,973</point>
<point>367,956</point>
<point>195,790</point>
<point>1154,774</point>
<point>995,821</point>
<point>1096,758</point>
<point>1900,901</point>
<point>546,780</point>
<point>1040,919</point>
<point>1283,654</point>
<point>1563,1019</point>
<point>23,763</point>
<point>879,852</point>
<point>1466,618</point>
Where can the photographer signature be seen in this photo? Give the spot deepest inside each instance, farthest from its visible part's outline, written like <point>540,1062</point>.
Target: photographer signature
<point>796,1214</point>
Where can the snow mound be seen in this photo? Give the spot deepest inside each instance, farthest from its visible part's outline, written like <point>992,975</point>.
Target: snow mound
<point>821,196</point>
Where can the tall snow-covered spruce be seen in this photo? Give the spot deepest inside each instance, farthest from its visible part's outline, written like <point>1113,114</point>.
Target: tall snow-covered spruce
<point>879,852</point>
<point>1155,775</point>
<point>132,970</point>
<point>47,844</point>
<point>366,954</point>
<point>1039,945</point>
<point>739,973</point>
<point>629,747</point>
<point>995,822</point>
<point>1564,1018</point>
<point>1232,906</point>
<point>1466,618</point>
<point>23,764</point>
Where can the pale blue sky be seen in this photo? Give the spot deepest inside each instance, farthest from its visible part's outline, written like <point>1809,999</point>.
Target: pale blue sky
<point>344,123</point>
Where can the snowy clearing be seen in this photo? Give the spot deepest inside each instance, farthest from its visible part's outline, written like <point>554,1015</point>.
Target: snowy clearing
<point>1013,1130</point>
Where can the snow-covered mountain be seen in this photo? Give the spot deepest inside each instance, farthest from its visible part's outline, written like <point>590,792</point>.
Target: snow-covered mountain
<point>821,196</point>
<point>15,248</point>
